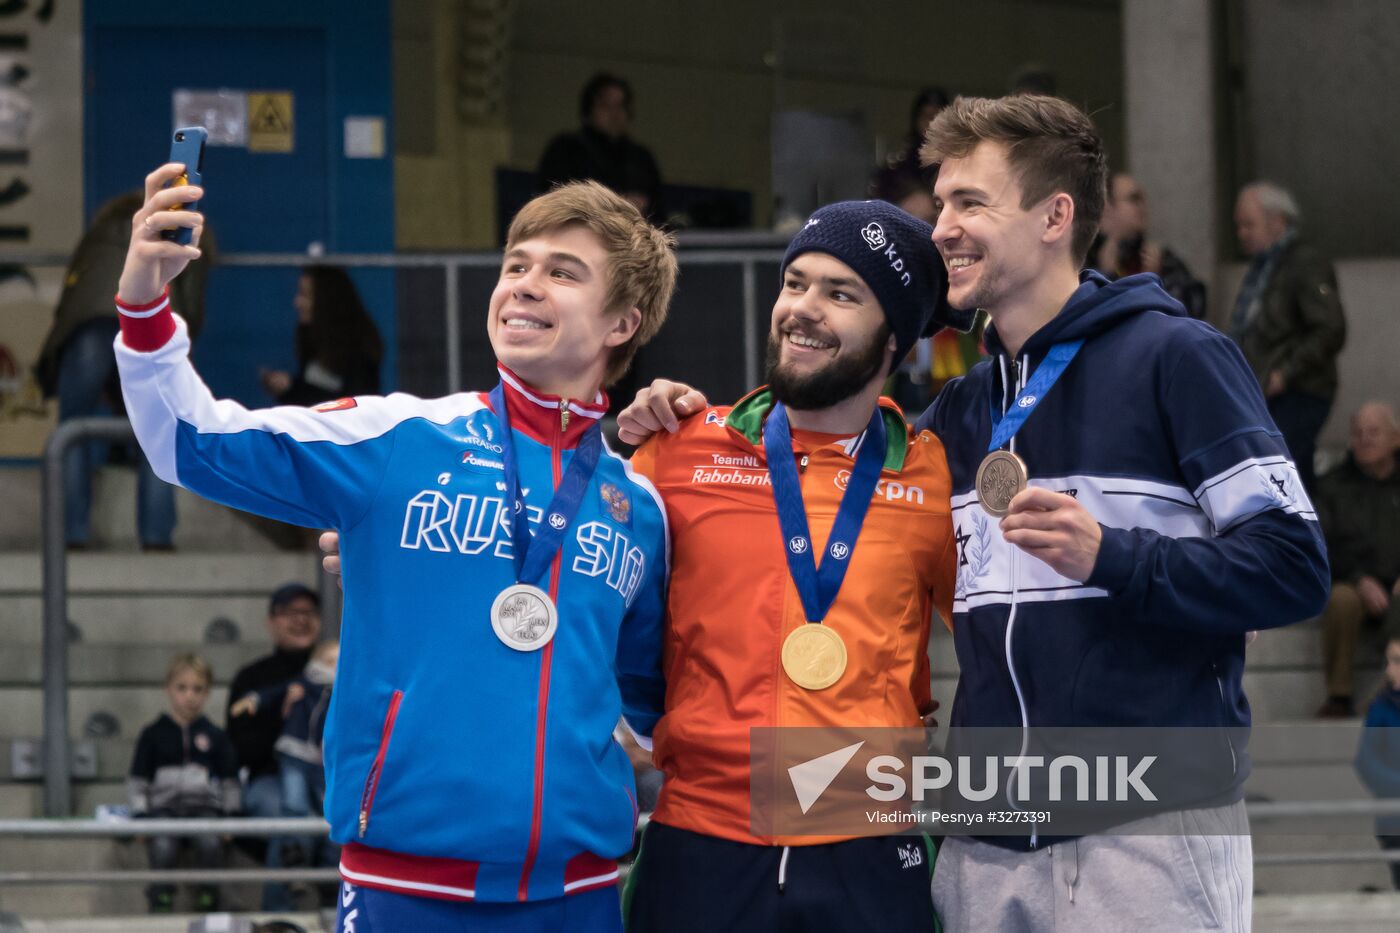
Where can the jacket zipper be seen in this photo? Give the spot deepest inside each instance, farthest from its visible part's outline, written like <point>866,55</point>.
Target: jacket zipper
<point>1225,710</point>
<point>546,659</point>
<point>372,779</point>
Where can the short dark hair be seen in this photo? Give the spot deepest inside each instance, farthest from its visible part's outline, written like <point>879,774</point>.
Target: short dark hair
<point>1034,78</point>
<point>287,592</point>
<point>1051,145</point>
<point>929,95</point>
<point>596,85</point>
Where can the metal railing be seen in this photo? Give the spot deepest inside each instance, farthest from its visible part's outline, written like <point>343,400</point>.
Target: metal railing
<point>128,829</point>
<point>58,786</point>
<point>314,826</point>
<point>748,250</point>
<point>453,263</point>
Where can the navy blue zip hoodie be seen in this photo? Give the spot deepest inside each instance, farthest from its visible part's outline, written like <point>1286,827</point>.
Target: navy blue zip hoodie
<point>1159,429</point>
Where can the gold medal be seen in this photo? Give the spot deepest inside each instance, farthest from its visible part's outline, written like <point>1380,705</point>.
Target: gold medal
<point>1000,477</point>
<point>814,656</point>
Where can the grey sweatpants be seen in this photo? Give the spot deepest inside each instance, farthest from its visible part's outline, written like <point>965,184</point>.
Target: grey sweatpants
<point>1195,871</point>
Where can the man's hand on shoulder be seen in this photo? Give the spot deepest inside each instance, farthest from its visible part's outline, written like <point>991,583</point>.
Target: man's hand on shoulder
<point>330,549</point>
<point>1056,529</point>
<point>658,407</point>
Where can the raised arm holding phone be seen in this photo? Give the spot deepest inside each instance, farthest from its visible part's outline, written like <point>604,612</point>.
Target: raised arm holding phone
<point>506,571</point>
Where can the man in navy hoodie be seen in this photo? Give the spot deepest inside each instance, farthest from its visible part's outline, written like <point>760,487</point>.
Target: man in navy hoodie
<point>1159,519</point>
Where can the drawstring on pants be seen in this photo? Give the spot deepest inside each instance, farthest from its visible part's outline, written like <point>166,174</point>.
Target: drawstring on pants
<point>1071,849</point>
<point>782,869</point>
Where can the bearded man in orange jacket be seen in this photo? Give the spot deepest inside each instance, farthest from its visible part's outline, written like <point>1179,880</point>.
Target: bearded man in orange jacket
<point>860,283</point>
<point>768,502</point>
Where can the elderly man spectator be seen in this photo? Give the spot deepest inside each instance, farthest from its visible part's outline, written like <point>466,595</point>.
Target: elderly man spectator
<point>1287,319</point>
<point>1124,248</point>
<point>294,622</point>
<point>1359,504</point>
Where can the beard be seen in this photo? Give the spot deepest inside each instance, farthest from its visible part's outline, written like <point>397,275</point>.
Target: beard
<point>840,379</point>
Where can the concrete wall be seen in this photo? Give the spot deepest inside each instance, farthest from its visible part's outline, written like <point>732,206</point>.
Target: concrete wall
<point>1171,136</point>
<point>1370,290</point>
<point>1320,115</point>
<point>704,77</point>
<point>41,135</point>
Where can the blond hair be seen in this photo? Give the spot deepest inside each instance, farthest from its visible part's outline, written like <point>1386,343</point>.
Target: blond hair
<point>1051,146</point>
<point>642,264</point>
<point>189,662</point>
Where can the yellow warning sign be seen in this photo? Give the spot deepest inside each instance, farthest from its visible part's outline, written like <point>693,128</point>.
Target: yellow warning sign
<point>270,122</point>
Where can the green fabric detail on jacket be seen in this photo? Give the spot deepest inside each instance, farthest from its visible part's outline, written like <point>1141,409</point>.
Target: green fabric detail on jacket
<point>748,413</point>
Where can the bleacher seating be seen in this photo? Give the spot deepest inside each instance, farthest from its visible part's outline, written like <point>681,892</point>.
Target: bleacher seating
<point>132,611</point>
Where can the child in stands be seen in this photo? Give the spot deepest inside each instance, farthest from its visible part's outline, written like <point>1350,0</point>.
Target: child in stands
<point>184,766</point>
<point>1378,758</point>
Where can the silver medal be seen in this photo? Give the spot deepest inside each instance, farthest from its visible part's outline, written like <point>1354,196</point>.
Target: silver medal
<point>524,617</point>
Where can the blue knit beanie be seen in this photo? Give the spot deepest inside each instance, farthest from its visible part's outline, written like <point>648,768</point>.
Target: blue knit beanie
<point>894,255</point>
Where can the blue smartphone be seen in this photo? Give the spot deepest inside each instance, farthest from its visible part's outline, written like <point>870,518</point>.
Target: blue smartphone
<point>187,148</point>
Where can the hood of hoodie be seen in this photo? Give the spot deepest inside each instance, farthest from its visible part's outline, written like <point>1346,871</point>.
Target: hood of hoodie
<point>1097,305</point>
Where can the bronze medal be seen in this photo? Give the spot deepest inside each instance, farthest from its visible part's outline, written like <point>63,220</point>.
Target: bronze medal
<point>1000,477</point>
<point>814,656</point>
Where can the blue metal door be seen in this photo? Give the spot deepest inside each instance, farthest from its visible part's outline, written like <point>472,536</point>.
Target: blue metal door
<point>255,201</point>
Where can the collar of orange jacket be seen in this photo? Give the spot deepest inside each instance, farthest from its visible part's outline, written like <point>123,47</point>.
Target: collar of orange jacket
<point>747,415</point>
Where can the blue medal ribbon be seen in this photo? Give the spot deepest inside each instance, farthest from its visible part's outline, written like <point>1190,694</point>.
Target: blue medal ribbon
<point>534,554</point>
<point>1046,374</point>
<point>818,586</point>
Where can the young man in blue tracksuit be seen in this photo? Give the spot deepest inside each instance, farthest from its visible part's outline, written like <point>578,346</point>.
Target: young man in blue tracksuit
<point>505,572</point>
<point>1159,520</point>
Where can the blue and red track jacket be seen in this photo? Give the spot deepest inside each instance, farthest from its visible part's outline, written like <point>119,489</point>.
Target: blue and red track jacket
<point>456,767</point>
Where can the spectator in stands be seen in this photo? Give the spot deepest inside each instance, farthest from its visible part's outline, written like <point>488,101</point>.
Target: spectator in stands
<point>907,192</point>
<point>338,347</point>
<point>1123,248</point>
<point>903,181</point>
<point>600,150</point>
<point>1287,319</point>
<point>294,622</point>
<point>77,365</point>
<point>1378,758</point>
<point>1035,79</point>
<point>184,767</point>
<point>1359,506</point>
<point>908,185</point>
<point>303,702</point>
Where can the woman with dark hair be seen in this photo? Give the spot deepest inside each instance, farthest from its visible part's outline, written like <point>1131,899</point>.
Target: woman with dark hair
<point>338,347</point>
<point>903,173</point>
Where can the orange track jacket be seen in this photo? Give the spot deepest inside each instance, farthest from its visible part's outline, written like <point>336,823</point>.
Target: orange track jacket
<point>732,602</point>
